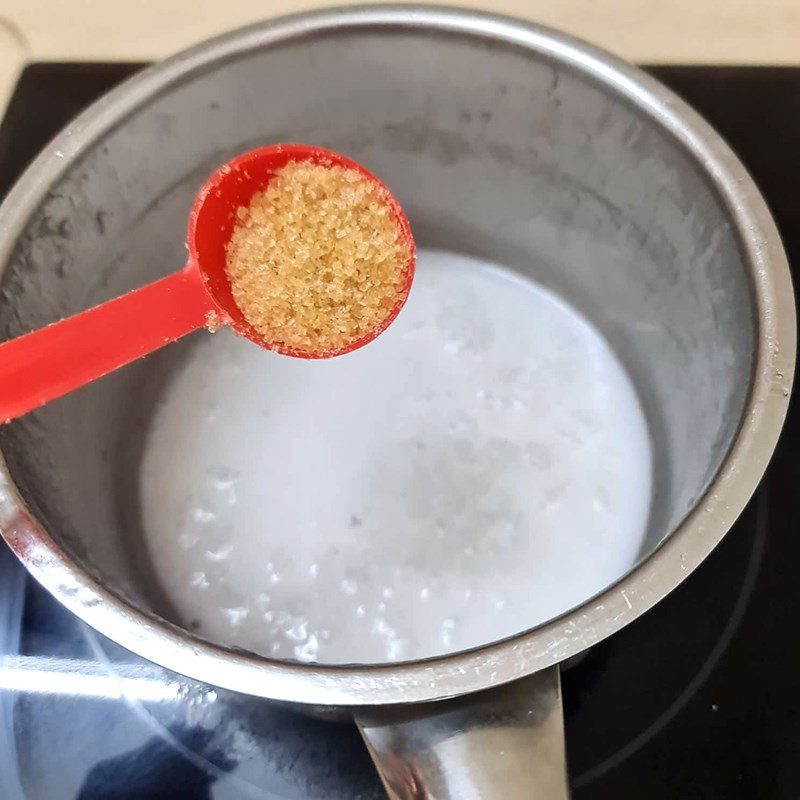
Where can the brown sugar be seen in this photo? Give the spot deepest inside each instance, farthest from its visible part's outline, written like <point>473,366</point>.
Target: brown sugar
<point>317,259</point>
<point>213,322</point>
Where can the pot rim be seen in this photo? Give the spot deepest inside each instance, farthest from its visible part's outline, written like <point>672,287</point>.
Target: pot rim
<point>551,642</point>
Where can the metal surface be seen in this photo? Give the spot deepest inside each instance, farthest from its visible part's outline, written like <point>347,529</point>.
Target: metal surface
<point>500,139</point>
<point>506,742</point>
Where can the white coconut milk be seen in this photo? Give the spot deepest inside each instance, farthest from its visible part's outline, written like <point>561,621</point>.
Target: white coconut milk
<point>481,467</point>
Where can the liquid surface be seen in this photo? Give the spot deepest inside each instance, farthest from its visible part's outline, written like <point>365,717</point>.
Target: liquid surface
<point>480,468</point>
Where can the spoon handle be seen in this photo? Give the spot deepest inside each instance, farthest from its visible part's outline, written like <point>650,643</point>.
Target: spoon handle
<point>47,363</point>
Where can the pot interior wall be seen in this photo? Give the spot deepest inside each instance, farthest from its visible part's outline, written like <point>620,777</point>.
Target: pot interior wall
<point>492,151</point>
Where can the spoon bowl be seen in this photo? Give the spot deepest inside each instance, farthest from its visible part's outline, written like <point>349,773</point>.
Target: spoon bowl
<point>213,217</point>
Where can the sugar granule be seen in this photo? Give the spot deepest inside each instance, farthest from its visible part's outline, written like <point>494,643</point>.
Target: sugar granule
<point>213,322</point>
<point>317,259</point>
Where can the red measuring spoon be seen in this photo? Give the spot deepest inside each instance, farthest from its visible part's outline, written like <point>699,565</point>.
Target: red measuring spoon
<point>49,362</point>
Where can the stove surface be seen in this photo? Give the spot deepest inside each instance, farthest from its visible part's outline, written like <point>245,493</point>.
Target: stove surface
<point>699,698</point>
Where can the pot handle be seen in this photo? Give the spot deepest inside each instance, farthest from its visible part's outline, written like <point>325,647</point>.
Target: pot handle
<point>505,743</point>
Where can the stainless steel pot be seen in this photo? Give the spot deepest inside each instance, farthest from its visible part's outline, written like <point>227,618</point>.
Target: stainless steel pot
<point>501,139</point>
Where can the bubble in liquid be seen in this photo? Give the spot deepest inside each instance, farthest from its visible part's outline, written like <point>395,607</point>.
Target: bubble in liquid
<point>298,632</point>
<point>308,651</point>
<point>221,554</point>
<point>236,615</point>
<point>203,515</point>
<point>187,540</point>
<point>199,580</point>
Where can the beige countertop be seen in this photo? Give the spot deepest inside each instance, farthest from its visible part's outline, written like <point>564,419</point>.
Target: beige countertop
<point>651,31</point>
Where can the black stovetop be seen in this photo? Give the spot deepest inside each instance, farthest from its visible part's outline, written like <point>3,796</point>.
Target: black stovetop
<point>700,698</point>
